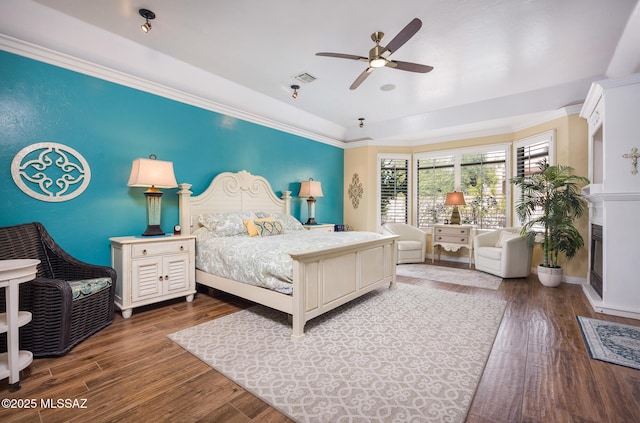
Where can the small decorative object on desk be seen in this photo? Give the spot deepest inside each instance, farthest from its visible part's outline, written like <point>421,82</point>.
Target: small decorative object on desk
<point>339,228</point>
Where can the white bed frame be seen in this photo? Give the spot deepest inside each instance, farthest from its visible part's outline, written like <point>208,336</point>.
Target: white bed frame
<point>322,279</point>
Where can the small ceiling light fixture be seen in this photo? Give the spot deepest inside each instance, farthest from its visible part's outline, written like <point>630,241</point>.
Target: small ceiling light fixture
<point>147,14</point>
<point>295,89</point>
<point>361,122</point>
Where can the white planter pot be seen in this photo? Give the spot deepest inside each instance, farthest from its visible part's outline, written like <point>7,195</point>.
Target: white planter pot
<point>550,276</point>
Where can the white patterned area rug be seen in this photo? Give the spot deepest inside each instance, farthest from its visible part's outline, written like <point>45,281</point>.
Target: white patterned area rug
<point>456,276</point>
<point>407,354</point>
<point>612,342</point>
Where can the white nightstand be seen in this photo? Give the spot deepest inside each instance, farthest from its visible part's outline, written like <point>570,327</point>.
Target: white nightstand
<point>326,227</point>
<point>451,238</point>
<point>152,269</point>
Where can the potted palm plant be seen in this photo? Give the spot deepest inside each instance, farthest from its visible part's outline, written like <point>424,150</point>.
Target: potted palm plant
<point>549,204</point>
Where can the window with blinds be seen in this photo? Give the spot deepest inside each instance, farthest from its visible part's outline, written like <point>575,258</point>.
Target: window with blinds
<point>529,157</point>
<point>394,190</point>
<point>481,175</point>
<point>435,178</point>
<point>483,180</point>
<point>528,154</point>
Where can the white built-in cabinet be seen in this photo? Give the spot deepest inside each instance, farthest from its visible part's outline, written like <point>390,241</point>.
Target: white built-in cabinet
<point>152,269</point>
<point>612,109</point>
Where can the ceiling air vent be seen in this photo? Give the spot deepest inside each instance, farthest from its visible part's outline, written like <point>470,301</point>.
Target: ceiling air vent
<point>305,77</point>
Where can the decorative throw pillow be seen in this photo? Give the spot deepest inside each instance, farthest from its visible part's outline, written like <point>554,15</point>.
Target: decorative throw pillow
<point>225,223</point>
<point>289,223</point>
<point>269,228</point>
<point>250,224</point>
<point>506,236</point>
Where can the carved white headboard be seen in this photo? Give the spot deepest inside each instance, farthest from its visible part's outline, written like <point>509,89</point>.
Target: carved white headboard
<point>227,192</point>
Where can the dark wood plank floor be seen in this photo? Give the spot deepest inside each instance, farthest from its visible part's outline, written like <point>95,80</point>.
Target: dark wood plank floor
<point>538,370</point>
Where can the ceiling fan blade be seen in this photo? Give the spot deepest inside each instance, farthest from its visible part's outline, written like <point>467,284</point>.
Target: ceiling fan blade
<point>408,66</point>
<point>343,56</point>
<point>403,36</point>
<point>361,78</point>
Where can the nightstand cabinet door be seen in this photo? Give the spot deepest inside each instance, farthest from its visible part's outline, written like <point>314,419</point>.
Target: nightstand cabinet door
<point>176,273</point>
<point>147,274</point>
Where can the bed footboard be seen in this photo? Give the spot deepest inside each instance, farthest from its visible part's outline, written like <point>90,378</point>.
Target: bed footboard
<point>326,279</point>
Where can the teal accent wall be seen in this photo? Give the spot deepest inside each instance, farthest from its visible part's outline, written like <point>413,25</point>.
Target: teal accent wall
<point>111,125</point>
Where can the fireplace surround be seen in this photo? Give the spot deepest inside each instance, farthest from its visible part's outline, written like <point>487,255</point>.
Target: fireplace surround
<point>611,109</point>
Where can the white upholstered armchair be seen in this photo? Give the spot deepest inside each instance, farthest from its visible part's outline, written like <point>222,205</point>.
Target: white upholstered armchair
<point>503,253</point>
<point>412,242</point>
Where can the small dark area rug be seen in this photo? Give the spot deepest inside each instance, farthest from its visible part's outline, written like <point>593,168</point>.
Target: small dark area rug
<point>612,342</point>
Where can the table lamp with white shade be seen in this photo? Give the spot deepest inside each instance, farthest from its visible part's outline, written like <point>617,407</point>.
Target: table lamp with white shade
<point>154,174</point>
<point>311,189</point>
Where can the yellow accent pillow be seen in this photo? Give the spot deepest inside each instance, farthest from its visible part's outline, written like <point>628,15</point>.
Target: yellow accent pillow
<point>250,224</point>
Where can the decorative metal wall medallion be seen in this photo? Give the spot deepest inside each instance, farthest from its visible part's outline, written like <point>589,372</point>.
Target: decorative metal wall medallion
<point>355,191</point>
<point>49,171</point>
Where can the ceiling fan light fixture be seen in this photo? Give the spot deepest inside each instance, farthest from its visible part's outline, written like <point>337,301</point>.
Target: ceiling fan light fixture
<point>377,62</point>
<point>147,14</point>
<point>295,89</point>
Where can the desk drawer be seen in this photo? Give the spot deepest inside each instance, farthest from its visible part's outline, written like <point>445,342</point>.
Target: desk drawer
<point>452,239</point>
<point>453,231</point>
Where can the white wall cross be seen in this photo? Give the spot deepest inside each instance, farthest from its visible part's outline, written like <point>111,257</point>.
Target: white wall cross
<point>634,159</point>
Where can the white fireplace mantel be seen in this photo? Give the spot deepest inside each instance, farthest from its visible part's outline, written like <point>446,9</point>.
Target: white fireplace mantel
<point>611,110</point>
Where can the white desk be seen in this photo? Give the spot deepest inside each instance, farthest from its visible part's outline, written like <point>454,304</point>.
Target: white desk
<point>13,273</point>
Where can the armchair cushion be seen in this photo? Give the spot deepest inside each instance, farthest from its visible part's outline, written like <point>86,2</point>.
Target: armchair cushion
<point>409,245</point>
<point>491,252</point>
<point>86,287</point>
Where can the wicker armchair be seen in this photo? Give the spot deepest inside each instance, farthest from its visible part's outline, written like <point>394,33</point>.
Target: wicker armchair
<point>59,321</point>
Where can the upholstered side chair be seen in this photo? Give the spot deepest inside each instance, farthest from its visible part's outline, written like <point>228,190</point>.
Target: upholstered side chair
<point>503,253</point>
<point>412,242</point>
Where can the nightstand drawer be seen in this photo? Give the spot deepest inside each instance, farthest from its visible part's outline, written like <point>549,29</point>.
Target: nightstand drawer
<point>145,250</point>
<point>455,239</point>
<point>325,227</point>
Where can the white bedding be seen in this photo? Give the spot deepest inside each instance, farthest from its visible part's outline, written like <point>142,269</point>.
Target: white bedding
<point>264,261</point>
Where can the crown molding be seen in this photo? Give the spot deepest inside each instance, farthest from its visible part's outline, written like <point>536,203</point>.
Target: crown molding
<point>62,60</point>
<point>66,61</point>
